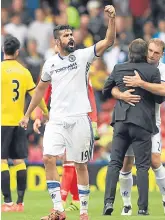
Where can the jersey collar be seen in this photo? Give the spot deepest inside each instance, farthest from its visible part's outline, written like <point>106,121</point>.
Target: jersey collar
<point>60,56</point>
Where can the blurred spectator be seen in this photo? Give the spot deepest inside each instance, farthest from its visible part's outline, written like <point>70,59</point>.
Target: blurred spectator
<point>3,34</point>
<point>96,24</point>
<point>32,60</point>
<point>140,10</point>
<point>114,56</point>
<point>50,52</point>
<point>53,4</point>
<point>73,17</point>
<point>78,39</point>
<point>158,10</point>
<point>18,7</point>
<point>125,35</point>
<point>122,7</point>
<point>68,15</point>
<point>98,74</point>
<point>61,18</point>
<point>40,31</point>
<point>16,28</point>
<point>161,32</point>
<point>87,37</point>
<point>4,16</point>
<point>48,14</point>
<point>148,30</point>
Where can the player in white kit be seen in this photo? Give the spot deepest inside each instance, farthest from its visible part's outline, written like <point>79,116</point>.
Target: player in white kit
<point>155,52</point>
<point>69,128</point>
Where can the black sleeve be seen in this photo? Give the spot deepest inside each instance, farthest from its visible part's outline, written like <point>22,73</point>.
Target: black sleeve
<point>157,79</point>
<point>109,84</point>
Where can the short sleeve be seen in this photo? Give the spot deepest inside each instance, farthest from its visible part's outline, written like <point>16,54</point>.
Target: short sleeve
<point>30,85</point>
<point>45,75</point>
<point>89,53</point>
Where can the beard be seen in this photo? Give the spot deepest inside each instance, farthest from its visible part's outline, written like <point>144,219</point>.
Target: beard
<point>70,47</point>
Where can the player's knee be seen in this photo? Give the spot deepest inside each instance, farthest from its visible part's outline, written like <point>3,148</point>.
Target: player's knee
<point>18,161</point>
<point>80,167</point>
<point>156,161</point>
<point>49,160</point>
<point>128,163</point>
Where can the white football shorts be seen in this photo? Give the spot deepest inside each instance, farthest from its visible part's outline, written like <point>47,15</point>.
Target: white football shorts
<point>156,145</point>
<point>73,135</point>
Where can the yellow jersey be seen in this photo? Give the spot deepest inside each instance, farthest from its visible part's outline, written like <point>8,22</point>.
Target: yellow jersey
<point>16,80</point>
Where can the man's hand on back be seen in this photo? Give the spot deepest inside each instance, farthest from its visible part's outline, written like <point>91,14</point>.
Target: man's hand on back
<point>133,81</point>
<point>130,98</point>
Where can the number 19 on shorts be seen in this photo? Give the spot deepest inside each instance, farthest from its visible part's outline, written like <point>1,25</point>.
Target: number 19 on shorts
<point>85,155</point>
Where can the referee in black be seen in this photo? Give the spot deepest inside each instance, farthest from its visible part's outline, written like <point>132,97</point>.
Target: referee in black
<point>133,125</point>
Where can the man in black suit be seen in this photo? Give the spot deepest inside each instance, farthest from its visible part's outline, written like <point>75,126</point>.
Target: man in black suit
<point>133,125</point>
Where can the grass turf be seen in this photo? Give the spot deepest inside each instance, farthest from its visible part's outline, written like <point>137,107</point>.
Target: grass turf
<point>38,204</point>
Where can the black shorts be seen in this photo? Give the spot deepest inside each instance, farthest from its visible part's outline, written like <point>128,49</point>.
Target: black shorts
<point>13,142</point>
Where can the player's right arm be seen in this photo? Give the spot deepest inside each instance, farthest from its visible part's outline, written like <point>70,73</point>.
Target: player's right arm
<point>37,123</point>
<point>36,99</point>
<point>41,104</point>
<point>136,81</point>
<point>37,96</point>
<point>104,44</point>
<point>30,88</point>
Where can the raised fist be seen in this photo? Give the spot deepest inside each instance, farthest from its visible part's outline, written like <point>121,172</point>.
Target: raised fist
<point>110,10</point>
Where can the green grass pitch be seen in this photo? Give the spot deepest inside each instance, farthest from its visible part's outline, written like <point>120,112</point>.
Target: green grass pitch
<point>38,204</point>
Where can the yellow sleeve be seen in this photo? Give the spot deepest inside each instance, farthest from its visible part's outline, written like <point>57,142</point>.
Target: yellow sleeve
<point>30,85</point>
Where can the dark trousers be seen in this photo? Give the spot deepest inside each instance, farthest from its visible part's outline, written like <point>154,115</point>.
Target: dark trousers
<point>140,139</point>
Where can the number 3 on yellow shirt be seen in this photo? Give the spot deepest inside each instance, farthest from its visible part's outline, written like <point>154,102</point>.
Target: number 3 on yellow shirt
<point>15,90</point>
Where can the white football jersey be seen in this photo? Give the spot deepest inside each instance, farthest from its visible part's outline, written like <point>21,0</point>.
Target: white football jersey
<point>161,68</point>
<point>69,80</point>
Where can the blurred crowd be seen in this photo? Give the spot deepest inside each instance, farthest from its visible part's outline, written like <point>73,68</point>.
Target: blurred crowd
<point>32,23</point>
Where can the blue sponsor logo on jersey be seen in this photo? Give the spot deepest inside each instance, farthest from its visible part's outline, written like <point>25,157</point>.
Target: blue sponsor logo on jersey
<point>69,68</point>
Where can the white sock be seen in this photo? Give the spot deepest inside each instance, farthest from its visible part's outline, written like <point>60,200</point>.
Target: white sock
<point>9,203</point>
<point>84,198</point>
<point>160,180</point>
<point>126,183</point>
<point>54,191</point>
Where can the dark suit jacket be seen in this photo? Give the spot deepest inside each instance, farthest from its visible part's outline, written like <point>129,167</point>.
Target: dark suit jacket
<point>143,114</point>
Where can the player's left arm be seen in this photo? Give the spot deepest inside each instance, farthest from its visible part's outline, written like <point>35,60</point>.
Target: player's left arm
<point>136,81</point>
<point>102,45</point>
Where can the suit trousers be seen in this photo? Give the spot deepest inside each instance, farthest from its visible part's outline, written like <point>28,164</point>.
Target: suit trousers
<point>126,134</point>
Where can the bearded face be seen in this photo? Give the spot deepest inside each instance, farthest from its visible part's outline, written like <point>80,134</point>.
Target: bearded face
<point>67,42</point>
<point>69,47</point>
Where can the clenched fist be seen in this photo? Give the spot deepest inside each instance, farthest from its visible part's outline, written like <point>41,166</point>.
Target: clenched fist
<point>110,10</point>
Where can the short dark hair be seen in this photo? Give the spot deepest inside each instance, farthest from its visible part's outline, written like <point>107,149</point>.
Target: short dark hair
<point>58,28</point>
<point>11,45</point>
<point>138,51</point>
